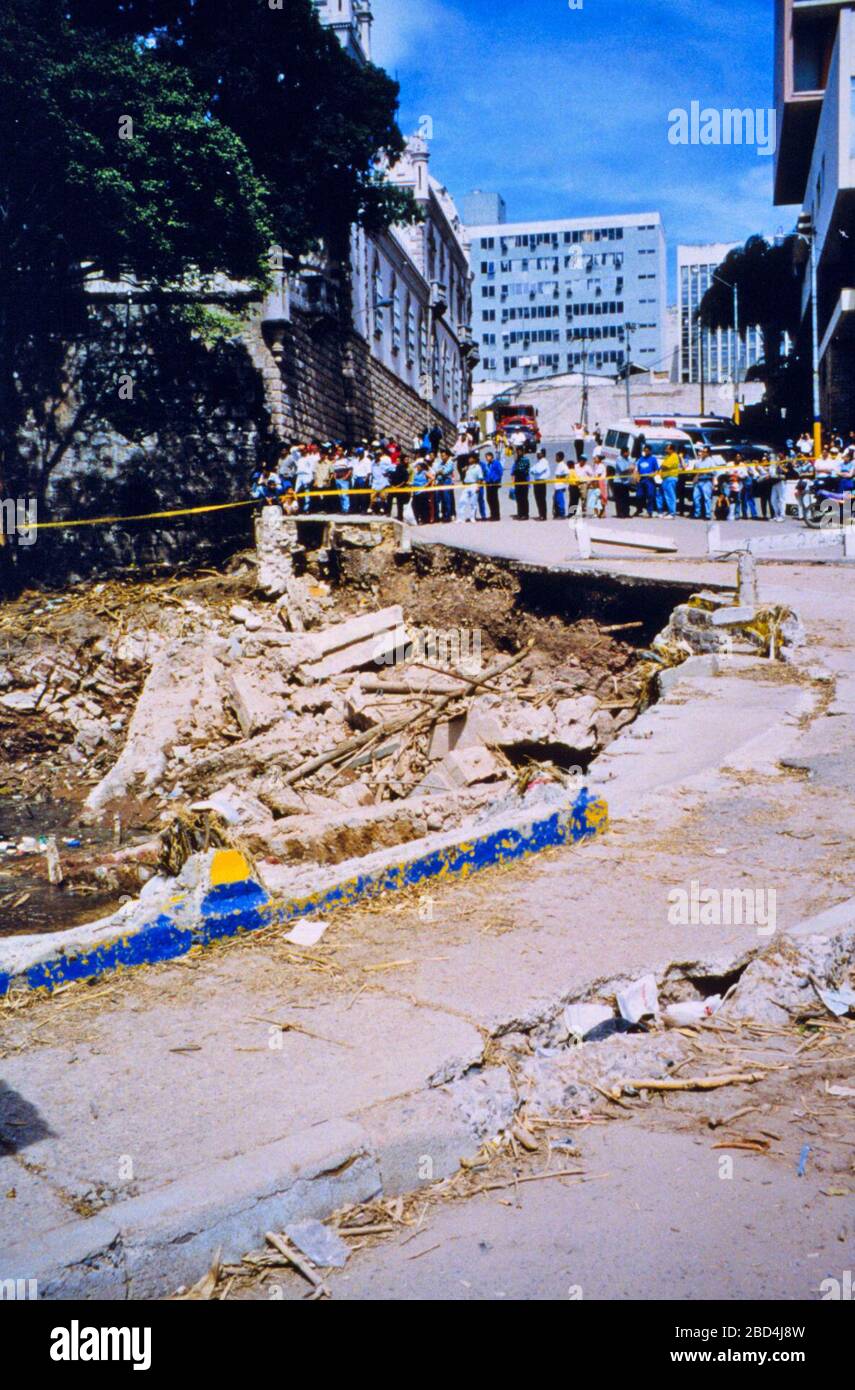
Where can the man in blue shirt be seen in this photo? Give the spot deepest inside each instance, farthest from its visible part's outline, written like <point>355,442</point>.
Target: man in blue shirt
<point>649,495</point>
<point>493,473</point>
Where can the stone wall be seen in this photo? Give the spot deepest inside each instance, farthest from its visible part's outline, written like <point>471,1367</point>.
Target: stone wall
<point>321,382</point>
<point>201,415</point>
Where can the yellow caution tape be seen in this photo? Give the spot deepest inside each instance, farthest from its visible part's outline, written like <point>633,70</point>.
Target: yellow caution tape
<point>572,480</point>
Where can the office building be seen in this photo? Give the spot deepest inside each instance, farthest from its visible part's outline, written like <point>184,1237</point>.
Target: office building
<point>713,351</point>
<point>815,166</point>
<point>563,296</point>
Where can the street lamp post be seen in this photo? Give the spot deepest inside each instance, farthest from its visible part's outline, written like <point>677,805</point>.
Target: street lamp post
<point>806,229</point>
<point>735,289</point>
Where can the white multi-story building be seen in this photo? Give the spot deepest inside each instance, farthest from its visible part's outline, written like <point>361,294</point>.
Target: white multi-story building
<point>815,166</point>
<point>562,296</point>
<point>411,285</point>
<point>713,352</point>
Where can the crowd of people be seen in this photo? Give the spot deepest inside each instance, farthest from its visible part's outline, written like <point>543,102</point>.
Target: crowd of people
<point>380,477</point>
<point>431,482</point>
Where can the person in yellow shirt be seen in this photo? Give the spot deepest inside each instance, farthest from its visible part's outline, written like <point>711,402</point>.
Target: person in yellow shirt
<point>672,462</point>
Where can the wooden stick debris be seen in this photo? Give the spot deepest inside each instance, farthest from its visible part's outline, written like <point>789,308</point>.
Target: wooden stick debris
<point>692,1083</point>
<point>427,717</point>
<point>321,1290</point>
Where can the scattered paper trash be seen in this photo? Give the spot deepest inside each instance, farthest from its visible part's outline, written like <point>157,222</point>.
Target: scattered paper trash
<point>307,933</point>
<point>838,1001</point>
<point>639,1000</point>
<point>690,1011</point>
<point>322,1245</point>
<point>845,1092</point>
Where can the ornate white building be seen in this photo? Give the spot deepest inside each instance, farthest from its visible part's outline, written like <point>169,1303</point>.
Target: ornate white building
<point>411,286</point>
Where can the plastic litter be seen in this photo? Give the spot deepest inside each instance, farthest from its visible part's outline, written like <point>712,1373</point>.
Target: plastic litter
<point>803,1158</point>
<point>323,1246</point>
<point>612,1026</point>
<point>690,1011</point>
<point>639,1000</point>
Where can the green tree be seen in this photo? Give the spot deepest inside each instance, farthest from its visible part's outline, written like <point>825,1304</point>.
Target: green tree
<point>112,165</point>
<point>317,125</point>
<point>769,280</point>
<point>163,142</point>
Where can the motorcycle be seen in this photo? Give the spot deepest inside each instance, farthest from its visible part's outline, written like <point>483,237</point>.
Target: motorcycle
<point>828,501</point>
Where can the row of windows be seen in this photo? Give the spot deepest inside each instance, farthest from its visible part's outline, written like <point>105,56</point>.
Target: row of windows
<point>532,335</point>
<point>532,311</point>
<point>601,306</point>
<point>584,236</point>
<point>577,261</point>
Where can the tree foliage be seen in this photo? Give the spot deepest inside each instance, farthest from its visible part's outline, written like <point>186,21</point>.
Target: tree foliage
<point>769,279</point>
<point>165,141</point>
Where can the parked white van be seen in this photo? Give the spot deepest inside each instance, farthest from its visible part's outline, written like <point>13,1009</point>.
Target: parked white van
<point>633,434</point>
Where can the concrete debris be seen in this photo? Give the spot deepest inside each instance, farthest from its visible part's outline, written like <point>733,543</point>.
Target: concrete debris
<point>182,690</point>
<point>319,1243</point>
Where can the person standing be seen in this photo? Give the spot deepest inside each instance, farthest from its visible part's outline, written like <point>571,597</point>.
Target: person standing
<point>399,481</point>
<point>521,474</point>
<point>540,475</point>
<point>562,474</point>
<point>444,479</point>
<point>473,478</point>
<point>421,481</point>
<point>361,480</point>
<point>649,496</point>
<point>600,477</point>
<point>777,493</point>
<point>493,473</point>
<point>702,492</point>
<point>323,479</point>
<point>435,439</point>
<point>579,442</point>
<point>670,470</point>
<point>622,483</point>
<point>342,475</point>
<point>304,479</point>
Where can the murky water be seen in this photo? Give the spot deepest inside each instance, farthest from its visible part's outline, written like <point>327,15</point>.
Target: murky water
<point>28,903</point>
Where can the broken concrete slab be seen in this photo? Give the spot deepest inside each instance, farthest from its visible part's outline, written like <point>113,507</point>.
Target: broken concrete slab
<point>465,766</point>
<point>255,710</point>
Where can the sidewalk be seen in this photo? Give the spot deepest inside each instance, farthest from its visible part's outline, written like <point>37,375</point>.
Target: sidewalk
<point>153,1118</point>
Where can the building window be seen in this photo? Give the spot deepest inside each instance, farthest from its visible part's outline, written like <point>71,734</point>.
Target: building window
<point>411,332</point>
<point>396,315</point>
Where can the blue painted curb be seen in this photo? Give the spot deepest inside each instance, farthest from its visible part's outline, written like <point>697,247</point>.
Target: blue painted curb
<point>237,903</point>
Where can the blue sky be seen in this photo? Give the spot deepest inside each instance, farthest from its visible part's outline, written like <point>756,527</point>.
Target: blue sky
<point>565,111</point>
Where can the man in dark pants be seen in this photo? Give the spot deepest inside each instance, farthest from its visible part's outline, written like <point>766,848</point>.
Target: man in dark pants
<point>540,475</point>
<point>493,471</point>
<point>521,473</point>
<point>622,483</point>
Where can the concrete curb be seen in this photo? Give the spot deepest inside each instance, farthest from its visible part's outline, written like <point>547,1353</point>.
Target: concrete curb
<point>227,900</point>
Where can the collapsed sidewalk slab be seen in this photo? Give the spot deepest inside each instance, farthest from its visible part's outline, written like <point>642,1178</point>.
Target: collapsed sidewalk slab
<point>216,895</point>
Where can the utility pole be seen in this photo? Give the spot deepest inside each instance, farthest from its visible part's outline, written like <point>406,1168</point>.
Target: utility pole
<point>807,230</point>
<point>735,289</point>
<point>701,365</point>
<point>630,329</point>
<point>737,414</point>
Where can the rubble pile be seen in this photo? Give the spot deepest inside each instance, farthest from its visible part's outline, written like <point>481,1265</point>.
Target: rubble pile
<point>312,725</point>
